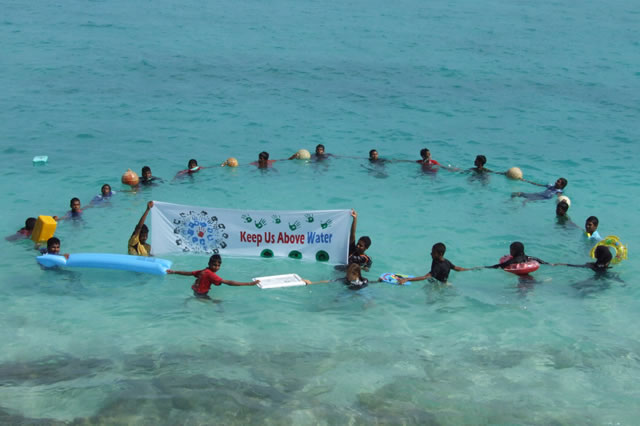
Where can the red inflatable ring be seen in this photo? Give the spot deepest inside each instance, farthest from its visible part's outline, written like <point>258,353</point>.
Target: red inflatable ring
<point>520,268</point>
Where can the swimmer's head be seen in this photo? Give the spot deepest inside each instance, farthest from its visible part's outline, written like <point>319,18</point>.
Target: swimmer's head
<point>373,155</point>
<point>144,234</point>
<point>106,190</point>
<point>30,223</point>
<point>146,172</point>
<point>363,244</point>
<point>516,249</point>
<point>438,250</point>
<point>591,225</point>
<point>215,261</point>
<point>481,160</point>
<point>603,256</point>
<point>353,272</point>
<point>53,245</point>
<point>75,204</point>
<point>425,154</point>
<point>561,208</point>
<point>263,156</point>
<point>561,183</point>
<point>320,149</point>
<point>192,164</point>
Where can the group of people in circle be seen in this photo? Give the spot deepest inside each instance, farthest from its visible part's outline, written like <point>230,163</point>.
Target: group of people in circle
<point>358,260</point>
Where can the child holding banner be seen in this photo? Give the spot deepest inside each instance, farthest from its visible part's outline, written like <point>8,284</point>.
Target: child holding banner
<point>356,250</point>
<point>206,277</point>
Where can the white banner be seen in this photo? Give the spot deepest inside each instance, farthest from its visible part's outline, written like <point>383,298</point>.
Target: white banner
<point>321,235</point>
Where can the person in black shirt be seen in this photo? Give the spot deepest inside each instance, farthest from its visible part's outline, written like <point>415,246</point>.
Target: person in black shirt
<point>357,250</point>
<point>516,250</point>
<point>440,267</point>
<point>603,259</point>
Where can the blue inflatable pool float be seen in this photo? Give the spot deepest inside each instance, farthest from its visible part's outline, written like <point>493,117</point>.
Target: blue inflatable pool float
<point>122,262</point>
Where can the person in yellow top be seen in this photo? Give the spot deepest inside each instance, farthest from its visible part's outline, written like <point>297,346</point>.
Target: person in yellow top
<point>138,242</point>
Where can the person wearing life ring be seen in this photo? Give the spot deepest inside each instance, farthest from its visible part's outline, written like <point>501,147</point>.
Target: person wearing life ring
<point>518,257</point>
<point>615,243</point>
<point>603,259</point>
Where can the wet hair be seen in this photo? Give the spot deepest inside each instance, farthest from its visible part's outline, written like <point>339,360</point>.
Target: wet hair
<point>51,241</point>
<point>482,159</point>
<point>353,272</point>
<point>423,152</point>
<point>30,223</point>
<point>439,249</point>
<point>75,199</point>
<point>146,169</point>
<point>215,257</point>
<point>144,229</point>
<point>593,220</point>
<point>563,182</point>
<point>264,155</point>
<point>366,241</point>
<point>562,205</point>
<point>603,256</point>
<point>516,249</point>
<point>192,161</point>
<point>372,151</point>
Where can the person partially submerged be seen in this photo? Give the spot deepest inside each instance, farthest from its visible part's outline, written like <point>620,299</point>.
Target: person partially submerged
<point>516,250</point>
<point>207,277</point>
<point>555,189</point>
<point>603,259</point>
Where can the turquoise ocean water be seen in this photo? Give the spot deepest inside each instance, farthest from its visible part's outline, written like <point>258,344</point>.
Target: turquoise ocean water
<point>102,86</point>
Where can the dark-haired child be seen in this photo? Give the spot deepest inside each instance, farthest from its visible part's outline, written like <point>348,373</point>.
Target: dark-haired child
<point>479,168</point>
<point>24,232</point>
<point>53,247</point>
<point>320,153</point>
<point>591,229</point>
<point>147,178</point>
<point>602,277</point>
<point>138,242</point>
<point>263,161</point>
<point>426,160</point>
<point>192,167</point>
<point>76,210</point>
<point>555,189</point>
<point>603,259</point>
<point>440,267</point>
<point>353,278</point>
<point>207,277</point>
<point>516,250</point>
<point>105,194</point>
<point>561,214</point>
<point>374,158</point>
<point>357,250</point>
<point>561,209</point>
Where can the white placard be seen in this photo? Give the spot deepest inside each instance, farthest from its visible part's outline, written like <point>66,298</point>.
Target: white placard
<point>277,281</point>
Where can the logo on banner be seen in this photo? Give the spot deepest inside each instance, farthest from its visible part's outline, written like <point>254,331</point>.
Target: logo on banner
<point>200,233</point>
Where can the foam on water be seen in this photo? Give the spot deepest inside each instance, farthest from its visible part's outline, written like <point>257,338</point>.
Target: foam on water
<point>100,87</point>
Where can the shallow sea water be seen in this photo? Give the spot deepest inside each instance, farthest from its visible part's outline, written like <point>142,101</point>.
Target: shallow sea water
<point>102,86</point>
